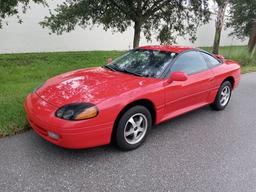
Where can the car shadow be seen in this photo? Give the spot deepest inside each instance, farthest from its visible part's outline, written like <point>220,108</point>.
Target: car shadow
<point>111,150</point>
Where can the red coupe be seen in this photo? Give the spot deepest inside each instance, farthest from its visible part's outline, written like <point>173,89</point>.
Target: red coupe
<point>121,101</point>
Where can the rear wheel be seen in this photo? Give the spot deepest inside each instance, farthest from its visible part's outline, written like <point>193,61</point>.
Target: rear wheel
<point>223,96</point>
<point>133,128</point>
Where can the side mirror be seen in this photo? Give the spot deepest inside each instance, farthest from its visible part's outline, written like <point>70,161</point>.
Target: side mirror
<point>177,76</point>
<point>109,60</point>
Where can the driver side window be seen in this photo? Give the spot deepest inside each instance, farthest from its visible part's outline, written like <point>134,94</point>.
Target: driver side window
<point>190,62</point>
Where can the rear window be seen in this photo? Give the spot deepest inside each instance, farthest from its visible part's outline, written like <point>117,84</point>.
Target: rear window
<point>210,59</point>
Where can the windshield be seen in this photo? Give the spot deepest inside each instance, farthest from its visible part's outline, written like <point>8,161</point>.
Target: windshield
<point>147,63</point>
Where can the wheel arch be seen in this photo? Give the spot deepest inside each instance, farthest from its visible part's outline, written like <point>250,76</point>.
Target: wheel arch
<point>143,102</point>
<point>231,79</point>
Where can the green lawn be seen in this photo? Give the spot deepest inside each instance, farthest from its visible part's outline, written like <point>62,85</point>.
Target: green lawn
<point>21,73</point>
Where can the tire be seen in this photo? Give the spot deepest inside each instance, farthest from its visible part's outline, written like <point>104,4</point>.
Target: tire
<point>133,128</point>
<point>220,103</point>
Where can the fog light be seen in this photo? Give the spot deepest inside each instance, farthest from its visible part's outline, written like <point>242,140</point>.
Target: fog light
<point>53,135</point>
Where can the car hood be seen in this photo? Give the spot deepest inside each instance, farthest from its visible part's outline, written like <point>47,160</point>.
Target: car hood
<point>85,85</point>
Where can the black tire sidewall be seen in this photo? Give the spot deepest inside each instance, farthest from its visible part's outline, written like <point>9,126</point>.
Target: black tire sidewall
<point>119,136</point>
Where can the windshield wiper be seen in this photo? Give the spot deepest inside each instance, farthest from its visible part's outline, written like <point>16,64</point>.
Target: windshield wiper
<point>133,73</point>
<point>122,70</point>
<point>109,67</point>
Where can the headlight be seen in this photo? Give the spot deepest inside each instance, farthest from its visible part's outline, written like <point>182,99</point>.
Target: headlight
<point>77,111</point>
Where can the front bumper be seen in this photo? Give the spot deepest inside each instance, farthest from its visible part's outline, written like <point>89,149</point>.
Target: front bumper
<point>82,134</point>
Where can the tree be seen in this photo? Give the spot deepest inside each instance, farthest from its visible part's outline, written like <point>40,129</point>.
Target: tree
<point>252,39</point>
<point>222,5</point>
<point>11,7</point>
<point>167,19</point>
<point>243,21</point>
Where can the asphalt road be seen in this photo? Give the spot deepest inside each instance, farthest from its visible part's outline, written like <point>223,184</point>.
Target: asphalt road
<point>203,150</point>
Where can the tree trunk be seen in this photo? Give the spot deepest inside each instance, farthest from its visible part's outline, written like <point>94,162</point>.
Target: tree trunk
<point>216,44</point>
<point>137,31</point>
<point>252,39</point>
<point>218,26</point>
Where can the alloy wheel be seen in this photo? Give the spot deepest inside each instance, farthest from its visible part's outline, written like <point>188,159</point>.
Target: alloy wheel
<point>135,128</point>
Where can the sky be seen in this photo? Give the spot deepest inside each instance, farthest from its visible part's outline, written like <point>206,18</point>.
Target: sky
<point>31,37</point>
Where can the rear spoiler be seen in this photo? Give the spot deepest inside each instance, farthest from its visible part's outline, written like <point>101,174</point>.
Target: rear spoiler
<point>221,57</point>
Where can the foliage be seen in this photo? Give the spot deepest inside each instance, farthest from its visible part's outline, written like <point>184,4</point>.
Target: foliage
<point>242,16</point>
<point>167,19</point>
<point>11,7</point>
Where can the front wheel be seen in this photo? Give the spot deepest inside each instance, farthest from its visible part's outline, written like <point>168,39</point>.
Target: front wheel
<point>133,128</point>
<point>223,96</point>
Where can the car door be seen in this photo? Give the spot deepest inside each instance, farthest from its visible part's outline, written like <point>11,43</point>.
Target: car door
<point>183,96</point>
<point>217,70</point>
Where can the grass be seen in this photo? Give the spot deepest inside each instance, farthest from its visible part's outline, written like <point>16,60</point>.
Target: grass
<point>240,54</point>
<point>21,73</point>
<point>237,53</point>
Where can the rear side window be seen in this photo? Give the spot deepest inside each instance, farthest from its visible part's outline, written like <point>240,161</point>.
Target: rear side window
<point>210,59</point>
<point>190,62</point>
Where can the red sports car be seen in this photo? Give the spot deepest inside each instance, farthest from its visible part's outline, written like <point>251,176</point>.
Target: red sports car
<point>121,101</point>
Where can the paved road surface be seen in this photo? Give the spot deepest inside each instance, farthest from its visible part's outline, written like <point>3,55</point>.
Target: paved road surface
<point>200,151</point>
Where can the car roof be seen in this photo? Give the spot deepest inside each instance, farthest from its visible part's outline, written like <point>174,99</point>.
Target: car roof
<point>168,48</point>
